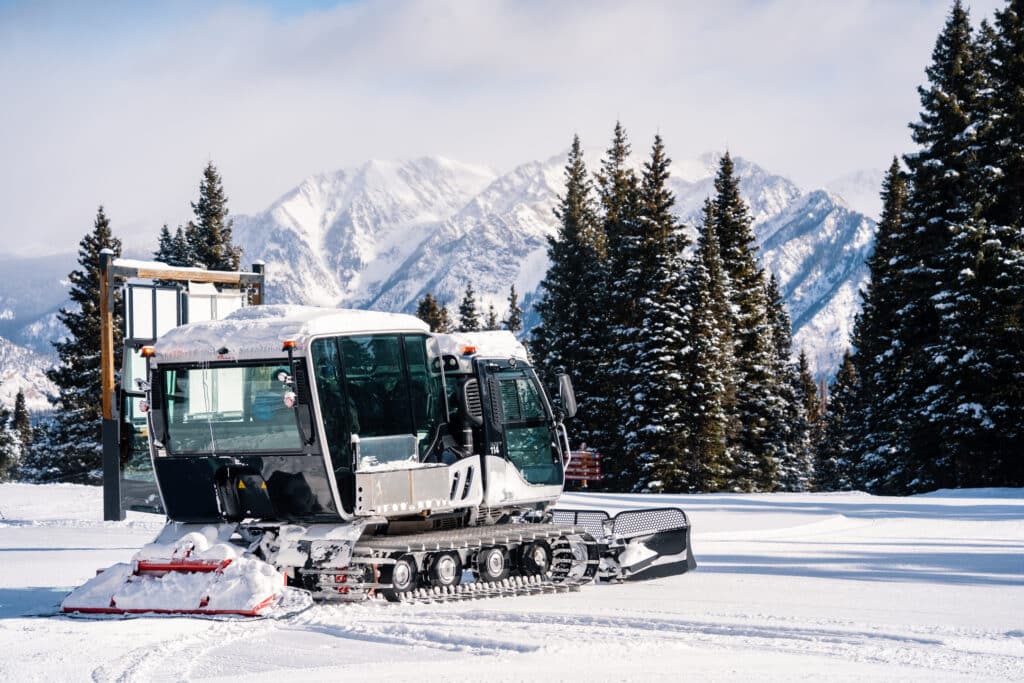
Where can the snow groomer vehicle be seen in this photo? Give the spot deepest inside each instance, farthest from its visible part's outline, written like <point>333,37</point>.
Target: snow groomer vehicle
<point>339,455</point>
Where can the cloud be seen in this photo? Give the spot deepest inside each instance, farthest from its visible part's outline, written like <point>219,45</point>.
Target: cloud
<point>124,106</point>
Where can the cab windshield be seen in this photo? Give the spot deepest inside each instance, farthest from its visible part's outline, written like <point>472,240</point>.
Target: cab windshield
<point>383,389</point>
<point>229,409</point>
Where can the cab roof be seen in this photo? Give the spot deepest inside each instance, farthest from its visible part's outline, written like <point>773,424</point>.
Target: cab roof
<point>259,332</point>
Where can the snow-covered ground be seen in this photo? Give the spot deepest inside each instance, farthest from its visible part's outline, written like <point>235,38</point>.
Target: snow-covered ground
<point>790,586</point>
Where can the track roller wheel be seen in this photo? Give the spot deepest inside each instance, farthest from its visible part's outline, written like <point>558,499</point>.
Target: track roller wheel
<point>535,558</point>
<point>401,575</point>
<point>492,564</point>
<point>445,570</point>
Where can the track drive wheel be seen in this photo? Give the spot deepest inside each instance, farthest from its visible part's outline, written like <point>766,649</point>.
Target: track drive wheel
<point>401,575</point>
<point>492,564</point>
<point>446,570</point>
<point>535,558</point>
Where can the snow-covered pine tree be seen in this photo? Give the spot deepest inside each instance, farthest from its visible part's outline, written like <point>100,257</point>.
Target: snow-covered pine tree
<point>1005,143</point>
<point>469,317</point>
<point>756,402</point>
<point>445,321</point>
<point>615,309</point>
<point>833,469</point>
<point>947,191</point>
<point>879,355</point>
<point>429,312</point>
<point>808,389</point>
<point>22,421</point>
<point>711,368</point>
<point>209,235</point>
<point>653,351</point>
<point>513,322</point>
<point>570,335</point>
<point>990,256</point>
<point>75,442</point>
<point>788,428</point>
<point>492,322</point>
<point>10,447</point>
<point>174,250</point>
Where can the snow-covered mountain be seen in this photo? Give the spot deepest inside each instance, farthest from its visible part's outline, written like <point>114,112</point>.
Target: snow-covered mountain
<point>24,369</point>
<point>384,234</point>
<point>861,190</point>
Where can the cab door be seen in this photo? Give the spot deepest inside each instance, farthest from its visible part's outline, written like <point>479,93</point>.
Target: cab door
<point>521,427</point>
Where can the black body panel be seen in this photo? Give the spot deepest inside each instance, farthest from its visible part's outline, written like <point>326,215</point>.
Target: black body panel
<point>224,488</point>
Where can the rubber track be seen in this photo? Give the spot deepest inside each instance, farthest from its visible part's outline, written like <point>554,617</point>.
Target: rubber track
<point>560,579</point>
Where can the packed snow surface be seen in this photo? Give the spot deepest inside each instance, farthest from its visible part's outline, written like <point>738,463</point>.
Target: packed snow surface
<point>789,586</point>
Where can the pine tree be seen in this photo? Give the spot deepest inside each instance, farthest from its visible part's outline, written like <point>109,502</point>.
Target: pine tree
<point>756,465</point>
<point>711,366</point>
<point>788,427</point>
<point>76,443</point>
<point>571,335</point>
<point>469,317</point>
<point>808,389</point>
<point>492,322</point>
<point>514,321</point>
<point>615,308</point>
<point>879,356</point>
<point>22,422</point>
<point>1006,136</point>
<point>10,448</point>
<point>429,312</point>
<point>833,469</point>
<point>209,236</point>
<point>652,352</point>
<point>445,324</point>
<point>174,250</point>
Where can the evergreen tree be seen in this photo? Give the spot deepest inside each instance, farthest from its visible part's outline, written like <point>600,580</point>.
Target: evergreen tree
<point>879,355</point>
<point>809,389</point>
<point>429,312</point>
<point>615,308</point>
<point>444,323</point>
<point>209,235</point>
<point>514,322</point>
<point>43,462</point>
<point>469,317</point>
<point>757,406</point>
<point>571,335</point>
<point>711,408</point>
<point>22,422</point>
<point>174,250</point>
<point>948,191</point>
<point>1006,136</point>
<point>652,353</point>
<point>492,322</point>
<point>788,429</point>
<point>77,445</point>
<point>833,468</point>
<point>10,448</point>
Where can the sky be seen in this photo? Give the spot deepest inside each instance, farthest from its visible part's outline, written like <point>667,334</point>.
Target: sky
<point>124,103</point>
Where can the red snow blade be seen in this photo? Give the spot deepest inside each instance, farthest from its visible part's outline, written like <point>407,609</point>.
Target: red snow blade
<point>156,566</point>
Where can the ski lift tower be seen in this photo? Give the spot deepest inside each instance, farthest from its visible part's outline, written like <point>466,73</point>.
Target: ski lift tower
<point>156,297</point>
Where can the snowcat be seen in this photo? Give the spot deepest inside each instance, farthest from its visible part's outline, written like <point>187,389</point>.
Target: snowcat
<point>326,454</point>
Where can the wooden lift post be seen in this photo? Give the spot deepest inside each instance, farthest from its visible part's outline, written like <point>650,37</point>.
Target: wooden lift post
<point>119,270</point>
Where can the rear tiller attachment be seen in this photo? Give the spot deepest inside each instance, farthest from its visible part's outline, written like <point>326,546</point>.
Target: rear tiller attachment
<point>638,544</point>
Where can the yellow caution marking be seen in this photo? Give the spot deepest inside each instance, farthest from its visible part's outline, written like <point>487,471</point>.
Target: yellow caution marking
<point>241,484</point>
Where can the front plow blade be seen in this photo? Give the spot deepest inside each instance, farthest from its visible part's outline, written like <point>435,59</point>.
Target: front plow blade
<point>191,575</point>
<point>639,544</point>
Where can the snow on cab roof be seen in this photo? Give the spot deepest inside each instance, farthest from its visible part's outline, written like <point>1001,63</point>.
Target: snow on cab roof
<point>259,331</point>
<point>491,344</point>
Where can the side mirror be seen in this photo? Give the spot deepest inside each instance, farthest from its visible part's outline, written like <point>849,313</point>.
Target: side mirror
<point>566,395</point>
